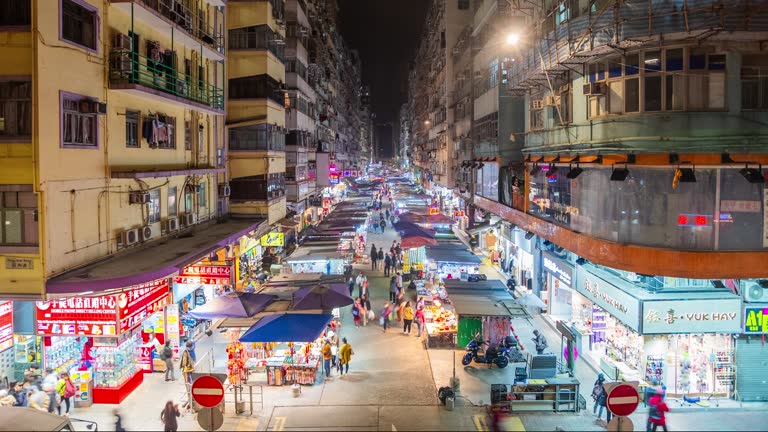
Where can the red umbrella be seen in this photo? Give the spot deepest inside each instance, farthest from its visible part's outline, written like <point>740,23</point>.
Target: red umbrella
<point>417,241</point>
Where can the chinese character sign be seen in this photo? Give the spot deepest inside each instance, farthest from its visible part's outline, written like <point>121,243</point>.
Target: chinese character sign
<point>89,316</point>
<point>6,325</point>
<point>141,301</point>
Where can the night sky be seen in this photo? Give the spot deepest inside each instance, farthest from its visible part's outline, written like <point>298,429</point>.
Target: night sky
<point>386,33</point>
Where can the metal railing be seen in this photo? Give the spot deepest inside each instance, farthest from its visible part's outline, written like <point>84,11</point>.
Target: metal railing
<point>128,67</point>
<point>193,21</point>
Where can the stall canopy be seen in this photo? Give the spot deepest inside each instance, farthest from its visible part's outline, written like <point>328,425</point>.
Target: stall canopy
<point>239,305</point>
<point>467,305</point>
<point>287,328</point>
<point>322,297</point>
<point>427,219</point>
<point>453,254</point>
<point>416,242</point>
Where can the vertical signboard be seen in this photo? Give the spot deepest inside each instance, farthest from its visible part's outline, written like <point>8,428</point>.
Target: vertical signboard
<point>6,325</point>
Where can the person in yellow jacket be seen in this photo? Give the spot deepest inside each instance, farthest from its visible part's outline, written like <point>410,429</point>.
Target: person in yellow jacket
<point>345,355</point>
<point>327,357</point>
<point>187,364</point>
<point>407,317</point>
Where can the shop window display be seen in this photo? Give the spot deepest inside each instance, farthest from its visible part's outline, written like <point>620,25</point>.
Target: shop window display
<point>114,360</point>
<point>63,352</point>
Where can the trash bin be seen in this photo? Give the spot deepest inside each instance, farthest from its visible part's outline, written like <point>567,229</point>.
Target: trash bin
<point>296,389</point>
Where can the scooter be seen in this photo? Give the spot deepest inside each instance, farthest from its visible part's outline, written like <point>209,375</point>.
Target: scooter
<point>499,356</point>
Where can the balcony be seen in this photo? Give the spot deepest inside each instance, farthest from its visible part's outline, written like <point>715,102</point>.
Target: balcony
<point>195,28</point>
<point>134,72</point>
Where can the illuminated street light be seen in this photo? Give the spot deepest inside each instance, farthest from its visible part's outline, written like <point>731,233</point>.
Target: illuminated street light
<point>512,39</point>
<point>426,122</point>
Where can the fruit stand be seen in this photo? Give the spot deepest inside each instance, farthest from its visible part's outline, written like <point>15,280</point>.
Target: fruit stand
<point>440,325</point>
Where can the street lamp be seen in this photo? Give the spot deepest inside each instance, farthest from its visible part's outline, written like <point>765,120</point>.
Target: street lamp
<point>512,39</point>
<point>426,122</point>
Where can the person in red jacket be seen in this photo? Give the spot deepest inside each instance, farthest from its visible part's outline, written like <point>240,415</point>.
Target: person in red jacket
<point>656,415</point>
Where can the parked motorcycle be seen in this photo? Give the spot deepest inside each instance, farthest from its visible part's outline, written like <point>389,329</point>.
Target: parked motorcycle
<point>497,356</point>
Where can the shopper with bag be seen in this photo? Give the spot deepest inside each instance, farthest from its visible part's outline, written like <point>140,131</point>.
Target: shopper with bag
<point>66,390</point>
<point>656,413</point>
<point>420,320</point>
<point>385,316</point>
<point>166,355</point>
<point>370,316</point>
<point>356,316</point>
<point>407,318</point>
<point>596,390</point>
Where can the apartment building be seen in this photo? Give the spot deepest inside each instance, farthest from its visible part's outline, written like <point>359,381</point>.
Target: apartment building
<point>111,142</point>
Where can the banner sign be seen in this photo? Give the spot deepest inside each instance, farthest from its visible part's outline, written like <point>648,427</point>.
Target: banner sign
<point>692,316</point>
<point>273,239</point>
<point>615,301</point>
<point>89,316</point>
<point>756,320</point>
<point>140,302</point>
<point>6,325</point>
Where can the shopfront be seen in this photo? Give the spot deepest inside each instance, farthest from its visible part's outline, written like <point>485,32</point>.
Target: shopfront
<point>193,287</point>
<point>7,357</point>
<point>683,340</point>
<point>247,263</point>
<point>752,354</point>
<point>99,339</point>
<point>557,292</point>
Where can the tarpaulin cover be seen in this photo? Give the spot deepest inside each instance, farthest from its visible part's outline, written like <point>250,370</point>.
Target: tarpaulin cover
<point>322,297</point>
<point>287,328</point>
<point>417,242</point>
<point>237,305</point>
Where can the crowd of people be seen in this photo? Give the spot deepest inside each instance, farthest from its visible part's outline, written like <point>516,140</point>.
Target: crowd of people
<point>51,391</point>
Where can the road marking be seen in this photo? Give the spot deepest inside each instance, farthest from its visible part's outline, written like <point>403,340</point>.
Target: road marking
<point>243,427</point>
<point>207,391</point>
<point>513,424</point>
<point>624,400</point>
<point>394,429</point>
<point>480,423</point>
<point>279,424</point>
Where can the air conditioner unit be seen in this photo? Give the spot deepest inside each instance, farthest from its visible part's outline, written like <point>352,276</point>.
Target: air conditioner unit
<point>146,233</point>
<point>129,237</point>
<point>138,197</point>
<point>121,41</point>
<point>755,293</point>
<point>188,219</point>
<point>225,190</point>
<point>593,89</point>
<point>537,104</point>
<point>548,101</point>
<point>92,107</point>
<point>171,224</point>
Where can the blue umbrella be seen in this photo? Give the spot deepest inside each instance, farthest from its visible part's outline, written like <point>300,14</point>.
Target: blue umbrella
<point>235,305</point>
<point>287,328</point>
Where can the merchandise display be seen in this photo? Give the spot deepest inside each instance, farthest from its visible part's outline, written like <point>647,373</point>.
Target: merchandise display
<point>26,348</point>
<point>285,363</point>
<point>236,363</point>
<point>63,352</point>
<point>114,360</point>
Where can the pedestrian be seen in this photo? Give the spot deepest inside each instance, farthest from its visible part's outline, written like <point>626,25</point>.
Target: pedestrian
<point>399,283</point>
<point>400,306</point>
<point>387,264</point>
<point>407,318</point>
<point>374,256</point>
<point>420,320</point>
<point>66,390</point>
<point>398,249</point>
<point>166,355</point>
<point>118,421</point>
<point>385,315</point>
<point>356,312</point>
<point>351,284</point>
<point>328,267</point>
<point>49,387</point>
<point>596,390</point>
<point>327,357</point>
<point>39,400</point>
<point>363,287</point>
<point>601,401</point>
<point>187,364</point>
<point>380,257</point>
<point>657,412</point>
<point>393,289</point>
<point>363,310</point>
<point>168,417</point>
<point>386,213</point>
<point>345,355</point>
<point>359,280</point>
<point>540,341</point>
<point>19,393</point>
<point>375,227</point>
<point>6,400</point>
<point>366,303</point>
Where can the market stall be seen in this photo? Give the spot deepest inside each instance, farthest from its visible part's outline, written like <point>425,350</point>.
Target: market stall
<point>452,260</point>
<point>294,362</point>
<point>309,258</point>
<point>488,314</point>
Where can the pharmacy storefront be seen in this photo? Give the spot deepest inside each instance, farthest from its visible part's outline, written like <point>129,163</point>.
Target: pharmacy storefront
<point>684,341</point>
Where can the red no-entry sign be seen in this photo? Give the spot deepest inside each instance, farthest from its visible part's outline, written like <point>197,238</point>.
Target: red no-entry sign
<point>623,400</point>
<point>207,391</point>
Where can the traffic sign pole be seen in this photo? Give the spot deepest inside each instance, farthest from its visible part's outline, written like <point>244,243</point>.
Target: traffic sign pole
<point>207,391</point>
<point>622,400</point>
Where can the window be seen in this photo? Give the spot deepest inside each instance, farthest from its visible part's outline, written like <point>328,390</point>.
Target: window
<point>256,87</point>
<point>154,205</point>
<point>79,23</point>
<point>16,109</point>
<point>187,200</point>
<point>18,217</point>
<point>78,129</point>
<point>260,37</point>
<point>172,212</point>
<point>463,4</point>
<point>187,136</point>
<point>564,116</point>
<point>159,131</point>
<point>754,82</point>
<point>652,93</point>
<point>259,137</point>
<point>202,195</point>
<point>15,13</point>
<point>132,128</point>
